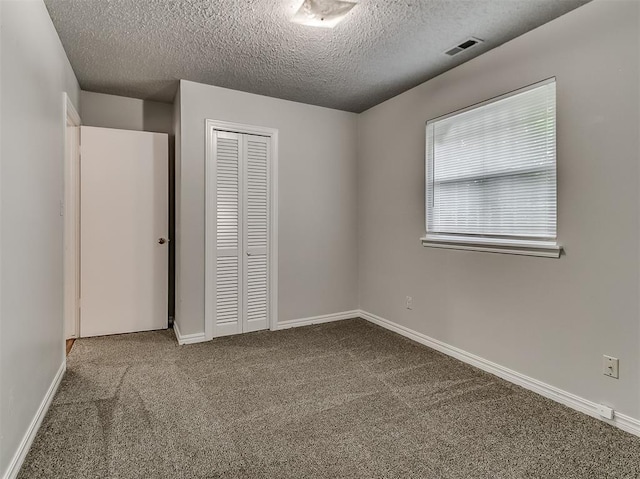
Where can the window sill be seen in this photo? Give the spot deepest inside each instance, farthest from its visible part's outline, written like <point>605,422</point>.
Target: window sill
<point>546,249</point>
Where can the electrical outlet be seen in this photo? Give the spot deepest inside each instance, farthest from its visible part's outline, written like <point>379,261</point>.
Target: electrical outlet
<point>409,302</point>
<point>610,366</point>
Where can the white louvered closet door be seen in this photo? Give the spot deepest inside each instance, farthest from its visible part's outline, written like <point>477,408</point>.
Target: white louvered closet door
<point>241,299</point>
<point>228,260</point>
<point>256,233</point>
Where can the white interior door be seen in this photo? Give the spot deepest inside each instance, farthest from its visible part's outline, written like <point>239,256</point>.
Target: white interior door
<point>240,199</point>
<point>123,231</point>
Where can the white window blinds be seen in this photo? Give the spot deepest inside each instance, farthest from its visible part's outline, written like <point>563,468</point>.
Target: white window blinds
<point>491,169</point>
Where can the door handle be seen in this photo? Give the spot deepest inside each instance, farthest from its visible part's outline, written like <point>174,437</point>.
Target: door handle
<point>163,240</point>
<point>249,254</point>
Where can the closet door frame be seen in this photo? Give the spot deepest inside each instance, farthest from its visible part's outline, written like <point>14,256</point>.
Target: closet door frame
<point>211,127</point>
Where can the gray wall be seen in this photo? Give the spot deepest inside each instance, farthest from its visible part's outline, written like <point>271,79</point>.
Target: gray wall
<point>34,73</point>
<point>317,201</point>
<point>549,319</point>
<point>111,111</point>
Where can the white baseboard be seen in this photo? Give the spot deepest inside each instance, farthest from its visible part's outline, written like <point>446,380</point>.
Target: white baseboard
<point>622,421</point>
<point>325,318</point>
<point>187,338</point>
<point>292,323</point>
<point>18,458</point>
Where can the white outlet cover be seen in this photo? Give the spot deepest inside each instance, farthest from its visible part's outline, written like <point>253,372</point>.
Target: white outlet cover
<point>409,302</point>
<point>610,366</point>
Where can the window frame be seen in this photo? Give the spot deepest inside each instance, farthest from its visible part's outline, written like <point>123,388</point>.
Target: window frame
<point>519,245</point>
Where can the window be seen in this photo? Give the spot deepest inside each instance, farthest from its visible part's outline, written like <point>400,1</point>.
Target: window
<point>491,175</point>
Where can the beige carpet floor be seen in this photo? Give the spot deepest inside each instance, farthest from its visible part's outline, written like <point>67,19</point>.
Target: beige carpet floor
<point>339,400</point>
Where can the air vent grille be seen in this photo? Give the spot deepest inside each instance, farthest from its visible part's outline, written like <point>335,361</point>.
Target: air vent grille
<point>465,45</point>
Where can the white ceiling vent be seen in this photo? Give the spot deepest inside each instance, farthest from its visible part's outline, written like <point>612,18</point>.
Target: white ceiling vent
<point>468,43</point>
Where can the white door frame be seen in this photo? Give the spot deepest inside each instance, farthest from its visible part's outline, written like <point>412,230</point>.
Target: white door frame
<point>70,210</point>
<point>210,228</point>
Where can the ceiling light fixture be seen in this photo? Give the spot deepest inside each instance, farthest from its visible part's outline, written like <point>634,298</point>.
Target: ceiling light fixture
<point>322,13</point>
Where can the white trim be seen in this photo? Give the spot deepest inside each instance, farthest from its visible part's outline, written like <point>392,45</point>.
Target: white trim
<point>546,249</point>
<point>18,458</point>
<point>218,125</point>
<point>492,100</point>
<point>492,241</point>
<point>187,338</point>
<point>626,423</point>
<point>232,127</point>
<point>325,318</point>
<point>292,323</point>
<point>622,421</point>
<point>71,222</point>
<point>70,111</point>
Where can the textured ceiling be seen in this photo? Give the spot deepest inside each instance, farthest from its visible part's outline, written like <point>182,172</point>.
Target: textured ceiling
<point>140,48</point>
